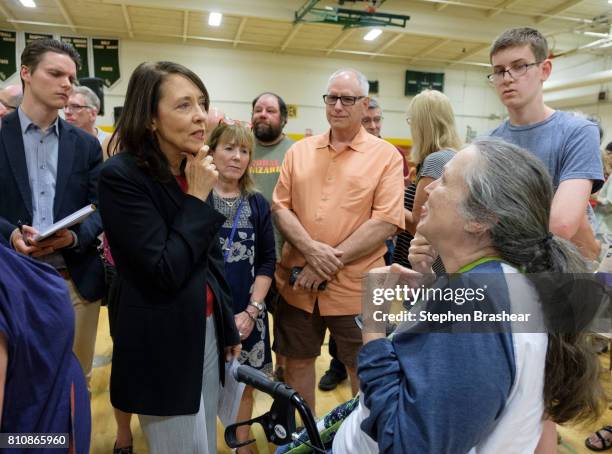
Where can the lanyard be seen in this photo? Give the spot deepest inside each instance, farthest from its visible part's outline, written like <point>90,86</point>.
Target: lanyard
<point>230,239</point>
<point>474,264</point>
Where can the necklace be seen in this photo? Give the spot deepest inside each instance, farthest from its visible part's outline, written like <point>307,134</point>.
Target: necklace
<point>226,201</point>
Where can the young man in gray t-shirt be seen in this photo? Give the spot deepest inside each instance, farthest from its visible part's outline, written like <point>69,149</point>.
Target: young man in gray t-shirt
<point>568,145</point>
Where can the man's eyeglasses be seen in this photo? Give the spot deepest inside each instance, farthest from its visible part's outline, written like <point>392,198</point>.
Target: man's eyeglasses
<point>75,108</point>
<point>368,120</point>
<point>345,100</point>
<point>515,71</point>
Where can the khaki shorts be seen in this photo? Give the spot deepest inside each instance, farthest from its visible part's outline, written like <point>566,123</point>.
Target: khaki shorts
<point>299,334</point>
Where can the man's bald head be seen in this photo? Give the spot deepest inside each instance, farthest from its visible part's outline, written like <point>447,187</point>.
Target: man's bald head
<point>10,98</point>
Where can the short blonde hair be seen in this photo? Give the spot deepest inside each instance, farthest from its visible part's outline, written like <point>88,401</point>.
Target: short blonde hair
<point>432,123</point>
<point>240,135</point>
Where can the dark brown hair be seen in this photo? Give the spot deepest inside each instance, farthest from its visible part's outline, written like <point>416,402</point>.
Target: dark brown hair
<point>33,53</point>
<point>133,133</point>
<point>282,107</point>
<point>521,36</point>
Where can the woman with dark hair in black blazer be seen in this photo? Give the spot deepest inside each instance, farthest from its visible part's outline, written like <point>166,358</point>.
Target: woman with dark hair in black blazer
<point>174,325</point>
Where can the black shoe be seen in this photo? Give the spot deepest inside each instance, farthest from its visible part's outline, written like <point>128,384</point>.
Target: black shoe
<point>330,380</point>
<point>124,450</point>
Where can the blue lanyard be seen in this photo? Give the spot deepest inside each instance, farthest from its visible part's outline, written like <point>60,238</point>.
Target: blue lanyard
<point>230,239</point>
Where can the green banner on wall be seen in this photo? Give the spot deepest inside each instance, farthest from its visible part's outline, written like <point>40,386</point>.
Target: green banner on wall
<point>8,59</point>
<point>106,60</point>
<point>80,44</point>
<point>29,37</point>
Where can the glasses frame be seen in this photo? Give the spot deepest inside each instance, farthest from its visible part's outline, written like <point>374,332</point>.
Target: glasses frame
<point>77,108</point>
<point>501,75</point>
<point>342,99</point>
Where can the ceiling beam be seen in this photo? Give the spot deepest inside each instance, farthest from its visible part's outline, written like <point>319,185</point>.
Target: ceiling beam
<point>431,49</point>
<point>489,8</point>
<point>346,33</point>
<point>177,36</point>
<point>10,18</point>
<point>238,34</point>
<point>471,53</point>
<point>557,10</point>
<point>128,21</point>
<point>185,24</point>
<point>501,7</point>
<point>296,28</point>
<point>388,44</point>
<point>67,18</point>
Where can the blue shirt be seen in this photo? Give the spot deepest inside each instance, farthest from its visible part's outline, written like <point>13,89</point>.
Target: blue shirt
<point>439,392</point>
<point>41,153</point>
<point>37,319</point>
<point>568,146</point>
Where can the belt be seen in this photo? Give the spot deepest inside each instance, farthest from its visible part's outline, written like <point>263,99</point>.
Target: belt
<point>64,273</point>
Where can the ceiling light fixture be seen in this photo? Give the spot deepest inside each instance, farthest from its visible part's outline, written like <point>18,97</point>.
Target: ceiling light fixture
<point>28,3</point>
<point>372,34</point>
<point>214,19</point>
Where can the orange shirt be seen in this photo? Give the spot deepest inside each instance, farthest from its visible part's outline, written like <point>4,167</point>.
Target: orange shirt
<point>332,194</point>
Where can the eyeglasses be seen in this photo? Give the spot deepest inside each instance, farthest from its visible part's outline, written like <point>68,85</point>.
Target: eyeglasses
<point>230,122</point>
<point>345,100</point>
<point>515,71</point>
<point>75,108</point>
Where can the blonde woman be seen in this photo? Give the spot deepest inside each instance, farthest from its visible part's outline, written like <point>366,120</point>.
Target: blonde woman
<point>247,241</point>
<point>434,142</point>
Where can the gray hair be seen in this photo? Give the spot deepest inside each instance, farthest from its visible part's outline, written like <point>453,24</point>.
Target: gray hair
<point>515,205</point>
<point>510,189</point>
<point>364,85</point>
<point>90,96</point>
<point>373,104</point>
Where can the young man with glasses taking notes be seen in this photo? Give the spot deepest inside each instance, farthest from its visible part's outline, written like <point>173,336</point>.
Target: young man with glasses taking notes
<point>338,197</point>
<point>568,145</point>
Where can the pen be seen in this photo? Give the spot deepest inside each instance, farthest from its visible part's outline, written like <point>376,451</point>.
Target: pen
<point>20,226</point>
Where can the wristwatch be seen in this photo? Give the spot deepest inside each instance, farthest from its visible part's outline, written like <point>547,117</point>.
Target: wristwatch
<point>259,305</point>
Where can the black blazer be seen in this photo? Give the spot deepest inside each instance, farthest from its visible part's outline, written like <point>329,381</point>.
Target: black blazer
<point>166,249</point>
<point>78,166</point>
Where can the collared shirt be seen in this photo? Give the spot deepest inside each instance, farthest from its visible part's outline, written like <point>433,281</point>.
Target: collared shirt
<point>101,135</point>
<point>333,193</point>
<point>41,153</point>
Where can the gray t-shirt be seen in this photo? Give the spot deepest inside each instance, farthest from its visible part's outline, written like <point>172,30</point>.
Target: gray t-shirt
<point>568,145</point>
<point>265,169</point>
<point>266,165</point>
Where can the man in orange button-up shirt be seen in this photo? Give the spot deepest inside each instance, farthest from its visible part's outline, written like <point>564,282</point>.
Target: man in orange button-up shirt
<point>338,197</point>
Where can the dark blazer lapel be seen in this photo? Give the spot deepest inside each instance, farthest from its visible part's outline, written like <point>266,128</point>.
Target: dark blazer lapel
<point>15,152</point>
<point>66,154</point>
<point>174,191</point>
